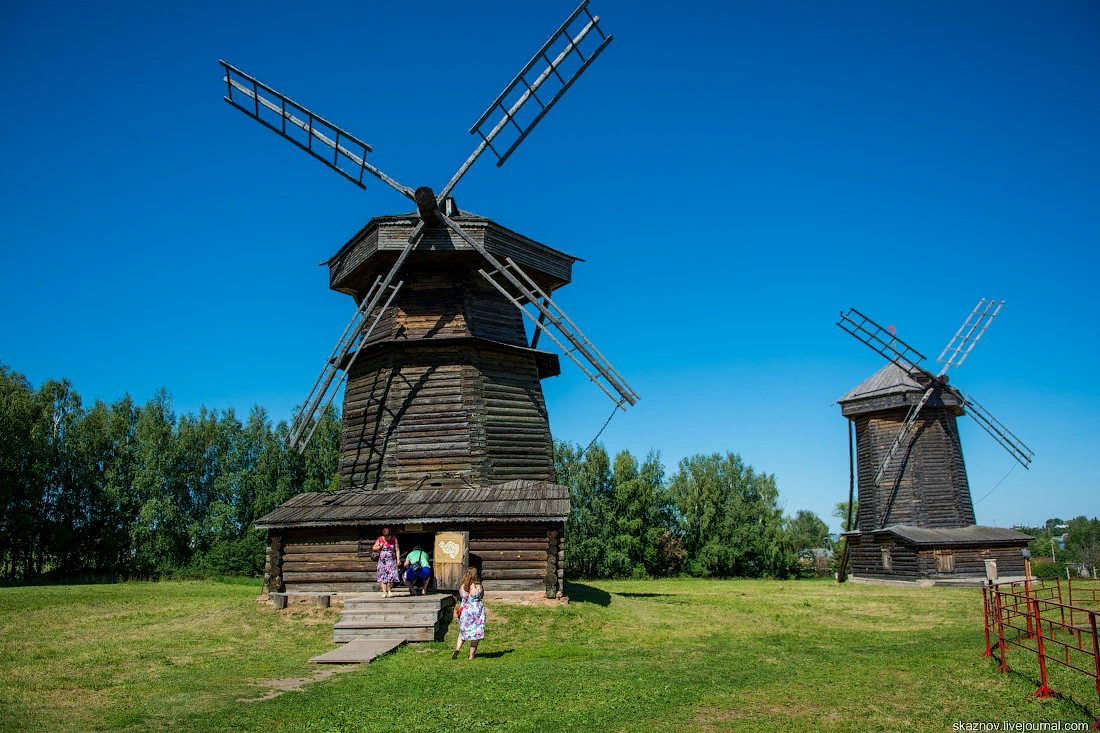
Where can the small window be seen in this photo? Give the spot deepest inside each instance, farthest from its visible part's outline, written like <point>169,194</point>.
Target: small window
<point>887,561</point>
<point>945,561</point>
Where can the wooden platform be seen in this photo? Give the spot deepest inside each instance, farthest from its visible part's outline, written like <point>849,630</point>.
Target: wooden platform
<point>359,651</point>
<point>410,618</point>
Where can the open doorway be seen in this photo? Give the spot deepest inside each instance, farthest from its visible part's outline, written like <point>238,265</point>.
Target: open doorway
<point>411,541</point>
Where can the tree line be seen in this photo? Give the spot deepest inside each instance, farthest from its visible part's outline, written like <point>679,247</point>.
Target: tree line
<point>1060,543</point>
<point>134,490</point>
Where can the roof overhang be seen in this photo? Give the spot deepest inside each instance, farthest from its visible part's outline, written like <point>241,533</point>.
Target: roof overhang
<point>512,501</point>
<point>975,534</point>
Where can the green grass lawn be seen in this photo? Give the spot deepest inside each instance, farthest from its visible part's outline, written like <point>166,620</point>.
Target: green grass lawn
<point>688,655</point>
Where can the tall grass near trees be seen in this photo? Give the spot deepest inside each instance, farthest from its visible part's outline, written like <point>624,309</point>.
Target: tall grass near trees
<point>690,655</point>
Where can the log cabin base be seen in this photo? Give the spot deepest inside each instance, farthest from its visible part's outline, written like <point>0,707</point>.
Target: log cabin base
<point>924,556</point>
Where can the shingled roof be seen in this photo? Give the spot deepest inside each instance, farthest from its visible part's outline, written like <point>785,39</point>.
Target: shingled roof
<point>975,534</point>
<point>895,387</point>
<point>891,379</point>
<point>511,501</point>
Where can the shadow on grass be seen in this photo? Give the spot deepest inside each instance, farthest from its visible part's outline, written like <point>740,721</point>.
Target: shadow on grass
<point>644,595</point>
<point>494,655</point>
<point>581,593</point>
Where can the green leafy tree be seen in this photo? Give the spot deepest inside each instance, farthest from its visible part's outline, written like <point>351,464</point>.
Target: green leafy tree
<point>808,531</point>
<point>588,477</point>
<point>840,512</point>
<point>1083,543</point>
<point>159,534</point>
<point>730,518</point>
<point>21,472</point>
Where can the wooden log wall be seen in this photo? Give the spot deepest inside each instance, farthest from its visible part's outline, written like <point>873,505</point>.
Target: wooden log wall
<point>327,559</point>
<point>514,426</point>
<point>867,560</point>
<point>926,483</point>
<point>550,580</point>
<point>472,410</point>
<point>513,556</point>
<point>273,563</point>
<point>910,563</point>
<point>332,560</point>
<point>408,413</point>
<point>971,561</point>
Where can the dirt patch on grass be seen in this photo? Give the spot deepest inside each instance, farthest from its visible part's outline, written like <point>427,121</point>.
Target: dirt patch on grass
<point>274,688</point>
<point>708,719</point>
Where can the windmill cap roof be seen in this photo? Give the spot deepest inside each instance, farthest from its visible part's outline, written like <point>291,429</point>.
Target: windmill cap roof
<point>374,247</point>
<point>894,387</point>
<point>891,379</point>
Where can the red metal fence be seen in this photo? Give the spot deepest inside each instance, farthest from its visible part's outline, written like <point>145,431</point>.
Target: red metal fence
<point>1055,620</point>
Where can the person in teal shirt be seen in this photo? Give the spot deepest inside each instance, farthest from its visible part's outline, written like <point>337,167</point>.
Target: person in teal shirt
<point>418,570</point>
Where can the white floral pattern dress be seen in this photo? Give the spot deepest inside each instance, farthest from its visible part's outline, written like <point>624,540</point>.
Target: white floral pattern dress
<point>471,624</point>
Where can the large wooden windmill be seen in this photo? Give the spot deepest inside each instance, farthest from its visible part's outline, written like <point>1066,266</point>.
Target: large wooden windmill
<point>445,425</point>
<point>916,516</point>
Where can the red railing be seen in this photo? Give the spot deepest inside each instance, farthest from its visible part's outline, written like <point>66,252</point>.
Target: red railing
<point>1054,619</point>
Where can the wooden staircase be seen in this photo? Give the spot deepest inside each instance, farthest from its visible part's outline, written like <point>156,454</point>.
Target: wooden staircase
<point>412,618</point>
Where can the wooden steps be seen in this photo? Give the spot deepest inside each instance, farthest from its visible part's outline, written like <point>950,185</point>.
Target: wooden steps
<point>413,618</point>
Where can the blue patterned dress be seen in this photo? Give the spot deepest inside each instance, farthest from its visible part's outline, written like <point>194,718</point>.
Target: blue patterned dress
<point>471,624</point>
<point>387,564</point>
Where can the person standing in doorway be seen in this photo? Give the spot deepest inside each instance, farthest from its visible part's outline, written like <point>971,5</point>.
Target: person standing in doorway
<point>389,557</point>
<point>471,622</point>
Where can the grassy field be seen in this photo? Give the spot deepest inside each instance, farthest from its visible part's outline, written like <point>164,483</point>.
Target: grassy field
<point>687,655</point>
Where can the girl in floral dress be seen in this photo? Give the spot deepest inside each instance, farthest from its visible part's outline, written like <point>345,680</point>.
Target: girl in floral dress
<point>471,624</point>
<point>389,555</point>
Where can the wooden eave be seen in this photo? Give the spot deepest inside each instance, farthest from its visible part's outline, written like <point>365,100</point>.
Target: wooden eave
<point>512,501</point>
<point>944,537</point>
<point>892,388</point>
<point>375,247</point>
<point>547,362</point>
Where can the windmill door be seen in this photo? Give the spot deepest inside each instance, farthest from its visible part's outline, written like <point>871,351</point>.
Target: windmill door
<point>451,557</point>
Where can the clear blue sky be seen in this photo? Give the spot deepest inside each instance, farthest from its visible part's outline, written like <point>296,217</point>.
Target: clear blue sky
<point>733,174</point>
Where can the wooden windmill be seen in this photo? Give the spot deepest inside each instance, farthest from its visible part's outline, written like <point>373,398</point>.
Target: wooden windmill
<point>916,516</point>
<point>445,424</point>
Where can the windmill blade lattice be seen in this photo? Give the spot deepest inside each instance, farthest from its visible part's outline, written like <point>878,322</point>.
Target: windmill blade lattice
<point>880,340</point>
<point>529,294</point>
<point>330,144</point>
<point>960,346</point>
<point>323,390</point>
<point>1000,433</point>
<point>552,71</point>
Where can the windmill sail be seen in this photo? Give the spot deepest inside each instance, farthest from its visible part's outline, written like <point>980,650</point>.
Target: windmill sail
<point>325,141</point>
<point>549,313</point>
<point>323,390</point>
<point>880,340</point>
<point>960,346</point>
<point>1000,433</point>
<point>513,115</point>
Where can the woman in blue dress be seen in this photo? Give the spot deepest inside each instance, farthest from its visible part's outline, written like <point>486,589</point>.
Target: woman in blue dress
<point>389,555</point>
<point>471,623</point>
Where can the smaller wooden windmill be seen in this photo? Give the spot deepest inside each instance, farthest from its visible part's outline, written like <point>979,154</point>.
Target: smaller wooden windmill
<point>916,516</point>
